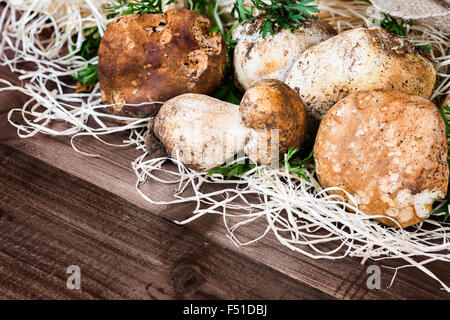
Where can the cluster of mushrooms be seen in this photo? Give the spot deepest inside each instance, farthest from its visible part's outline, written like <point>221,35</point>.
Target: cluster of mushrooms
<point>364,92</point>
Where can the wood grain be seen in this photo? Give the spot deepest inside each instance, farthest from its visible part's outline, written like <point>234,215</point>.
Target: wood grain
<point>59,208</point>
<point>51,220</point>
<point>344,279</point>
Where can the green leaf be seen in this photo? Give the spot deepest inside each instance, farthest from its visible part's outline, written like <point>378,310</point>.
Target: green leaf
<point>88,76</point>
<point>293,161</point>
<point>425,48</point>
<point>90,44</point>
<point>233,170</point>
<point>89,50</point>
<point>297,165</point>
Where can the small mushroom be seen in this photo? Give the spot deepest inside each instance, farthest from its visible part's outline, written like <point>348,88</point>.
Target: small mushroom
<point>273,111</point>
<point>155,57</point>
<point>205,132</point>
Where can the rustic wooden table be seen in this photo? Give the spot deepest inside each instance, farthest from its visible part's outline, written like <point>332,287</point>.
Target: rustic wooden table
<point>60,208</point>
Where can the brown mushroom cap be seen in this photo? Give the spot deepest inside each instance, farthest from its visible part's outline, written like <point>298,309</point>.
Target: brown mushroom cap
<point>154,57</point>
<point>267,106</point>
<point>360,59</point>
<point>387,149</point>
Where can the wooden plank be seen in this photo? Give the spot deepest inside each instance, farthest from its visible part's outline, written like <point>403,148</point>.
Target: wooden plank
<point>51,220</point>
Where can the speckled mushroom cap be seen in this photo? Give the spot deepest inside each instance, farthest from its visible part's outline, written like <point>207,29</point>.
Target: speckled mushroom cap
<point>256,58</point>
<point>387,149</point>
<point>360,59</point>
<point>267,106</point>
<point>154,57</point>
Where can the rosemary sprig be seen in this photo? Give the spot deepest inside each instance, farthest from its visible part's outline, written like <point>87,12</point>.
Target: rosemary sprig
<point>137,7</point>
<point>285,14</point>
<point>91,43</point>
<point>445,111</point>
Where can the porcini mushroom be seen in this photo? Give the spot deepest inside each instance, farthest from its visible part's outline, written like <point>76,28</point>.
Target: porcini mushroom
<point>388,150</point>
<point>256,58</point>
<point>205,132</point>
<point>155,57</point>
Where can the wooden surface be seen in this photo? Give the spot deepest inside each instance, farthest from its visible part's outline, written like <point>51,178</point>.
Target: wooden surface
<point>60,208</point>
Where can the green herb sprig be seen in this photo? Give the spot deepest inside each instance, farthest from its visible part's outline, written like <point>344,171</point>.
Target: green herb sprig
<point>88,76</point>
<point>394,25</point>
<point>137,7</point>
<point>292,162</point>
<point>227,91</point>
<point>445,111</point>
<point>425,48</point>
<point>398,27</point>
<point>91,43</point>
<point>89,50</point>
<point>286,14</point>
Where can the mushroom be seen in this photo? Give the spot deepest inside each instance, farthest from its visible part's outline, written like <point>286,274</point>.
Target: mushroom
<point>205,132</point>
<point>256,58</point>
<point>155,57</point>
<point>388,150</point>
<point>359,59</point>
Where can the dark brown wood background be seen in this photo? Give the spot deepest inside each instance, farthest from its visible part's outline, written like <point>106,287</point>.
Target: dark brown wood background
<point>60,208</point>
